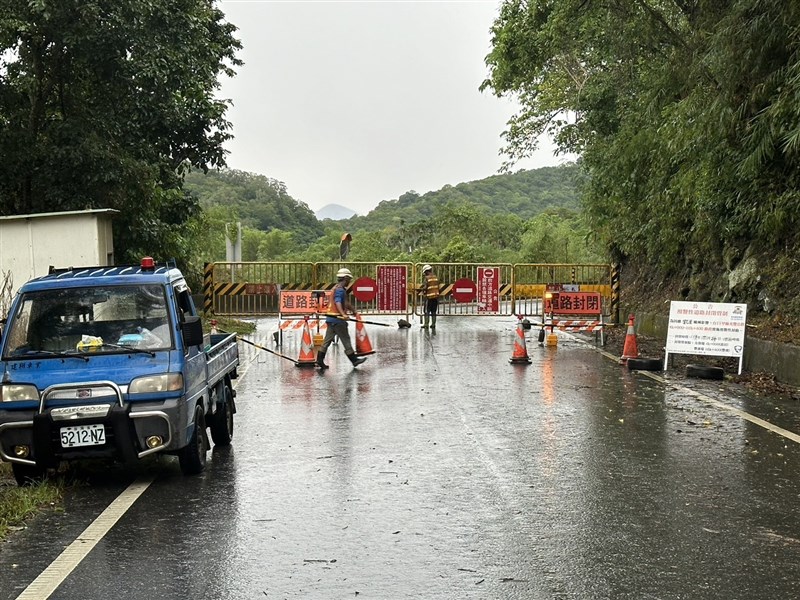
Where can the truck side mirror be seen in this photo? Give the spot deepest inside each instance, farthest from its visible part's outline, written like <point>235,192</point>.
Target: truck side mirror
<point>192,330</point>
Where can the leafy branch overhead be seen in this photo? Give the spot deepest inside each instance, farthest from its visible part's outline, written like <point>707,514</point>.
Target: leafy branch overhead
<point>685,114</point>
<point>103,105</point>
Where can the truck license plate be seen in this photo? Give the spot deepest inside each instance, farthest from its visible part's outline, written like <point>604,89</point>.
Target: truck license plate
<point>83,435</point>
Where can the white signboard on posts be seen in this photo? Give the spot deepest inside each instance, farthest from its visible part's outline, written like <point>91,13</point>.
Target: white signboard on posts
<point>706,328</point>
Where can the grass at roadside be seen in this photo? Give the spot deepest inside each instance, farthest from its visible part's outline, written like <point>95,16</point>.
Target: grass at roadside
<point>230,325</point>
<point>18,504</point>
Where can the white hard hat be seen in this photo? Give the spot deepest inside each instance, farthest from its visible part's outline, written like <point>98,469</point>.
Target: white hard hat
<point>344,273</point>
<point>426,268</point>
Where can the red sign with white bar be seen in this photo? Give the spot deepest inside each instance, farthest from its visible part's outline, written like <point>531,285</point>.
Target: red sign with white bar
<point>365,289</point>
<point>464,290</point>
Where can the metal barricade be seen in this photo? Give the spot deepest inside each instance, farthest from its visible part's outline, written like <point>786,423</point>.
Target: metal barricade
<point>468,289</point>
<point>253,288</point>
<point>378,288</point>
<point>532,280</point>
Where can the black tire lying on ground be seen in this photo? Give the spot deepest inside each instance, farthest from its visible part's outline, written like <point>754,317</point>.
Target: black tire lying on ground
<point>644,364</point>
<point>705,372</point>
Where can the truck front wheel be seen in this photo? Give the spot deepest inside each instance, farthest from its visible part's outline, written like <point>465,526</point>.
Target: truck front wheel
<point>192,457</point>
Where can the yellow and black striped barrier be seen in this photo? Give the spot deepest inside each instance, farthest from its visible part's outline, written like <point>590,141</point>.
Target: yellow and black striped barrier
<point>253,289</point>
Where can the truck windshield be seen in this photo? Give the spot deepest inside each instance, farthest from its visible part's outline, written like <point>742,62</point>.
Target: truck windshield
<point>90,320</point>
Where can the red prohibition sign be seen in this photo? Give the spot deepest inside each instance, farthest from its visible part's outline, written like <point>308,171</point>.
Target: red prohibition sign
<point>464,290</point>
<point>365,289</point>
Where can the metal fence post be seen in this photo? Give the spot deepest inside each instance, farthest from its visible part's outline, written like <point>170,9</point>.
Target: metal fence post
<point>615,292</point>
<point>208,287</point>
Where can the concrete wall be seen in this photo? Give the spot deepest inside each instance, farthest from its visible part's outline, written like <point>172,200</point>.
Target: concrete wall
<point>782,360</point>
<point>30,244</point>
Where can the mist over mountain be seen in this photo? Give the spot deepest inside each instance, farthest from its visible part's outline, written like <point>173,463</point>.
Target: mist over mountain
<point>334,212</point>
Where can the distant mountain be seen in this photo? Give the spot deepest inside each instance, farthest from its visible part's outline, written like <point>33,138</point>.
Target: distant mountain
<point>334,212</point>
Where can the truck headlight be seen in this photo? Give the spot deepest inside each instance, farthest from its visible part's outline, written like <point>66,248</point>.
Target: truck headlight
<point>12,392</point>
<point>167,382</point>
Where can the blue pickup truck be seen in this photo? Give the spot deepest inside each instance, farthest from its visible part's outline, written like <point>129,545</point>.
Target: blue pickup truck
<point>111,363</point>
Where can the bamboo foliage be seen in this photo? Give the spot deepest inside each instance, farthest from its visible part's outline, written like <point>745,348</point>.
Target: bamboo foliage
<point>686,115</point>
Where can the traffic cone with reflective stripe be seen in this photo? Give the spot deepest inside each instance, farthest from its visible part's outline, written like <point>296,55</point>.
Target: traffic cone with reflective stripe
<point>318,338</point>
<point>630,349</point>
<point>306,358</point>
<point>363,346</point>
<point>520,355</point>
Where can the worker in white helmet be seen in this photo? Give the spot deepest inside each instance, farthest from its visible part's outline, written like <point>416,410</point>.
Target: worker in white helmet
<point>430,293</point>
<point>337,318</point>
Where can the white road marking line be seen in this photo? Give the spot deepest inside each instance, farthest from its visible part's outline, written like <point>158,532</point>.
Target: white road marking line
<point>735,411</point>
<point>48,580</point>
<point>789,435</point>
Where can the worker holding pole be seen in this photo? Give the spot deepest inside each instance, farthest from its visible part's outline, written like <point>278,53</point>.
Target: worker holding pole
<point>336,319</point>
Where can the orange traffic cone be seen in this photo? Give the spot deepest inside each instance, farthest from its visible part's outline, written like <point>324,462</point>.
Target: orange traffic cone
<point>307,358</point>
<point>520,355</point>
<point>630,349</point>
<point>363,347</point>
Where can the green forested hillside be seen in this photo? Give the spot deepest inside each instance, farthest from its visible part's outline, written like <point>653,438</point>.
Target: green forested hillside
<point>257,201</point>
<point>528,216</point>
<point>525,194</point>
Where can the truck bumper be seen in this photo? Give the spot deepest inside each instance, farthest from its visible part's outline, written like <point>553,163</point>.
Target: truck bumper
<point>132,431</point>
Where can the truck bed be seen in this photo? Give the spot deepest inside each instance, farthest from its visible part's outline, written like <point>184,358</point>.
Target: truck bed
<point>223,356</point>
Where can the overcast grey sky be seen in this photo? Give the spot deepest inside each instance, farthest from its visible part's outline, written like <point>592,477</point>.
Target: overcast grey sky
<point>354,103</point>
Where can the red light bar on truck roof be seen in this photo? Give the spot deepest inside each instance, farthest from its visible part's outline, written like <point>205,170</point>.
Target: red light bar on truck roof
<point>148,264</point>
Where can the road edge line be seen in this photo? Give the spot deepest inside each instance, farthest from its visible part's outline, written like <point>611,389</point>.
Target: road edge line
<point>701,396</point>
<point>53,576</point>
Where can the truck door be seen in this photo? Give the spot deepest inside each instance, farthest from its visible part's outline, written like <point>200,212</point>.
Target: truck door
<point>196,378</point>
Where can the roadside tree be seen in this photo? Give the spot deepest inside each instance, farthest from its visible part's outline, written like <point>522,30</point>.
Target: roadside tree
<point>105,104</point>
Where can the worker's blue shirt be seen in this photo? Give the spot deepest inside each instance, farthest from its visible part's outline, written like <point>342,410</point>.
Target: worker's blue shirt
<point>339,295</point>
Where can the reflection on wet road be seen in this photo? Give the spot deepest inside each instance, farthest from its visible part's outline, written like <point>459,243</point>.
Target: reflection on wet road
<point>439,470</point>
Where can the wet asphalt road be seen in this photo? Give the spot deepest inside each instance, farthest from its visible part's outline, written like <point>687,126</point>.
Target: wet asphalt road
<point>439,470</point>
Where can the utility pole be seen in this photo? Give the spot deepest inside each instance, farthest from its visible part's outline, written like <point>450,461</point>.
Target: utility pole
<point>233,249</point>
